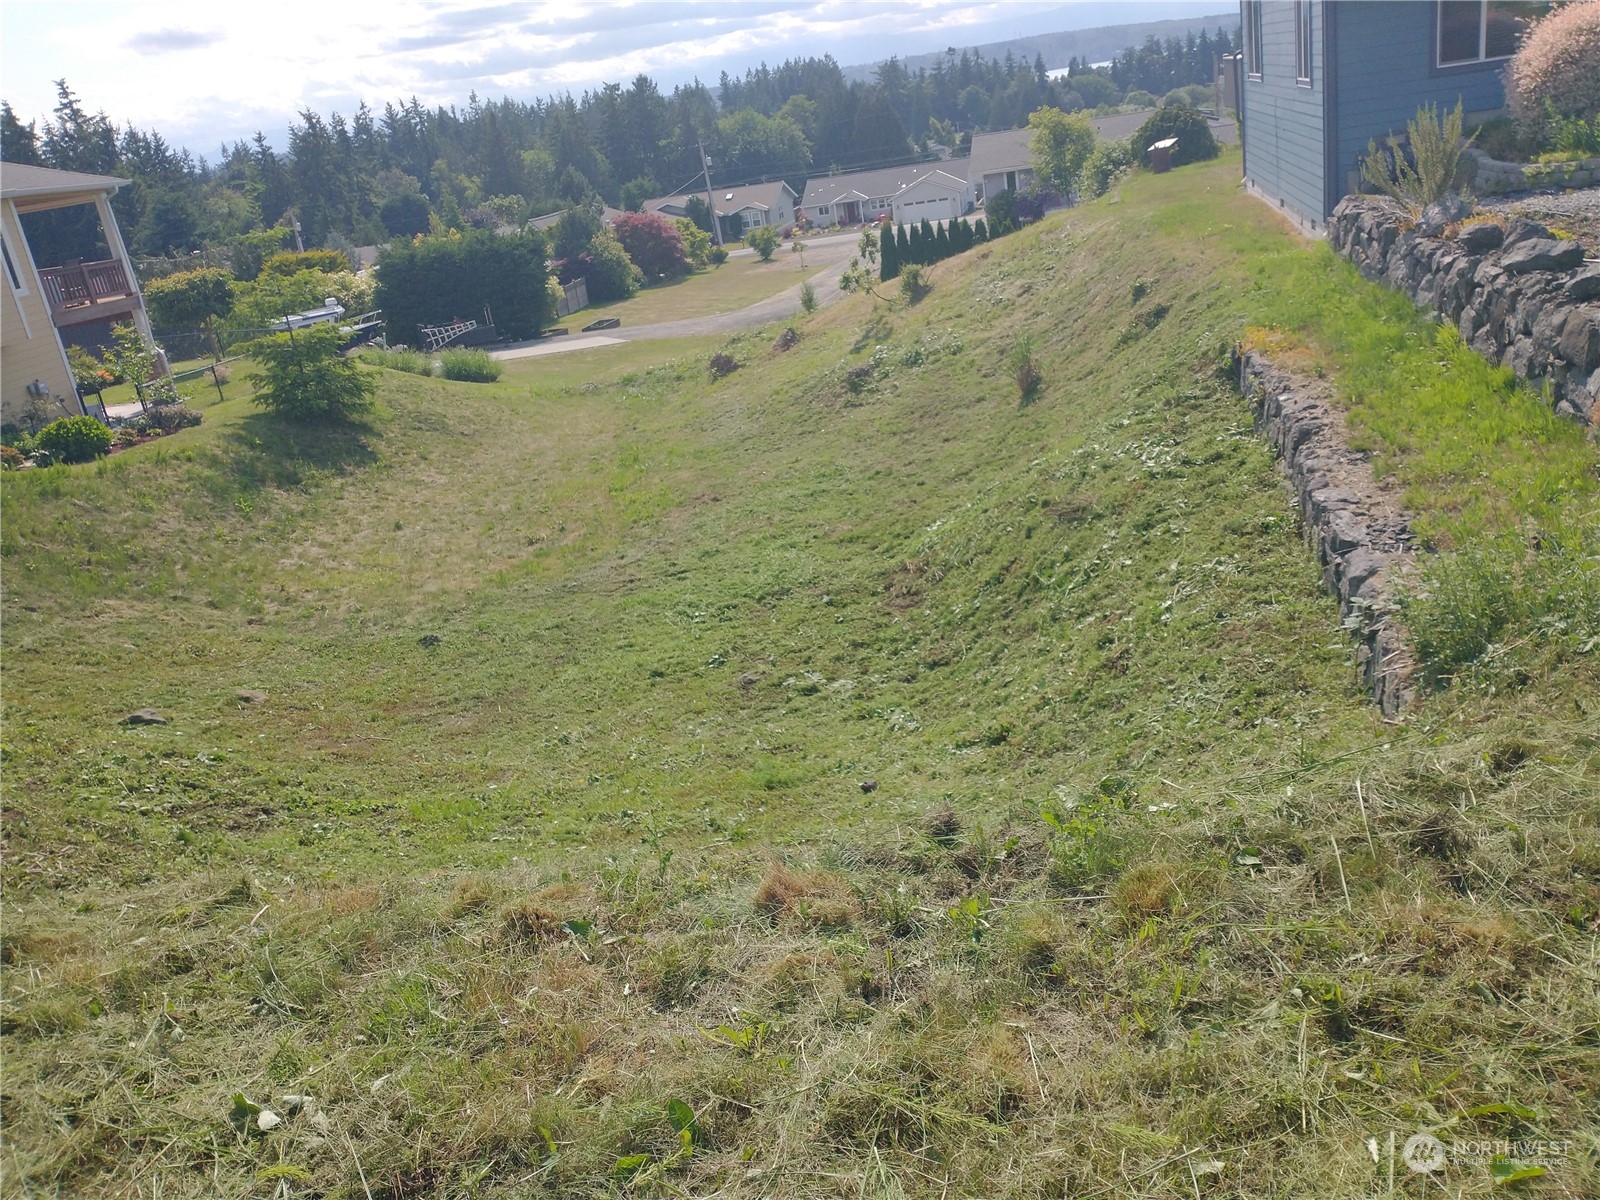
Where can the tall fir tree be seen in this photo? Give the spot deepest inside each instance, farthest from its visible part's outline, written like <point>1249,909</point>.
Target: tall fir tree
<point>888,260</point>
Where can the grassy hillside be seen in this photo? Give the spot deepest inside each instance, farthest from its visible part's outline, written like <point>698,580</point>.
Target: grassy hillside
<point>818,781</point>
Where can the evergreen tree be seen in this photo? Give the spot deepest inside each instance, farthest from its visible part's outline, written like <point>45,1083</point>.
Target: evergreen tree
<point>942,246</point>
<point>902,245</point>
<point>888,263</point>
<point>980,231</point>
<point>916,246</point>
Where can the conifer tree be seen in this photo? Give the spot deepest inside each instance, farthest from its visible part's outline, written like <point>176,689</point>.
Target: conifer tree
<point>888,262</point>
<point>942,247</point>
<point>981,230</point>
<point>915,240</point>
<point>902,244</point>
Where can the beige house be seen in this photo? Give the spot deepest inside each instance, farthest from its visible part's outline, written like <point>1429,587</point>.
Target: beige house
<point>739,210</point>
<point>45,302</point>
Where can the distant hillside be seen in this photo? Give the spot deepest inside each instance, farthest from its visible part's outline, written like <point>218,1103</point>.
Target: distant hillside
<point>1099,44</point>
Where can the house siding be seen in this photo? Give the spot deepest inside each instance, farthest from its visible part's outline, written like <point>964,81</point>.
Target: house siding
<point>31,351</point>
<point>1285,120</point>
<point>1385,54</point>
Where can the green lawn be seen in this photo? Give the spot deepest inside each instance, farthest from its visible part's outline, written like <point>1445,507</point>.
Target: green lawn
<point>737,283</point>
<point>815,781</point>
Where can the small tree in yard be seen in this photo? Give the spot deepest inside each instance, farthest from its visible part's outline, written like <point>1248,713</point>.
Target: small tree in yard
<point>192,300</point>
<point>763,239</point>
<point>1061,144</point>
<point>304,377</point>
<point>654,244</point>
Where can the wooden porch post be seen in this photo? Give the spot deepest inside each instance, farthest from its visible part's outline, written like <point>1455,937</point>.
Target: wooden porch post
<point>141,322</point>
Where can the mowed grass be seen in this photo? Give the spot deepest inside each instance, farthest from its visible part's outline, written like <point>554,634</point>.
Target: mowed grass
<point>811,782</point>
<point>737,283</point>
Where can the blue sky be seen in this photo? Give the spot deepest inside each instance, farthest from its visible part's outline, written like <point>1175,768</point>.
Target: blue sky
<point>205,73</point>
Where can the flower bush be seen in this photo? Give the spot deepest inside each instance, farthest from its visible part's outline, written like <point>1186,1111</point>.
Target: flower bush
<point>1558,64</point>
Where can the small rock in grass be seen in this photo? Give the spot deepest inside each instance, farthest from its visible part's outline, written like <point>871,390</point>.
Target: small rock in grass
<point>144,716</point>
<point>868,786</point>
<point>429,640</point>
<point>250,696</point>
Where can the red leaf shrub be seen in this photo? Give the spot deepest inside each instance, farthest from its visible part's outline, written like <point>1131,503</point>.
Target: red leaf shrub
<point>654,244</point>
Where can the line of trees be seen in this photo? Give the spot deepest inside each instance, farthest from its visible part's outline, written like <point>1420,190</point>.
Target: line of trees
<point>411,169</point>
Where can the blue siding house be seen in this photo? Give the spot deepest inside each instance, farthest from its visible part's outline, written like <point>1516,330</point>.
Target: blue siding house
<point>1323,77</point>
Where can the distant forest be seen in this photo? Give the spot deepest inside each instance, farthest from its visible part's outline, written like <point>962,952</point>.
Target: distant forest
<point>372,176</point>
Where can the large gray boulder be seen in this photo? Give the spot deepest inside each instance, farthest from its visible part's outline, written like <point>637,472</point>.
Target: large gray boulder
<point>1542,254</point>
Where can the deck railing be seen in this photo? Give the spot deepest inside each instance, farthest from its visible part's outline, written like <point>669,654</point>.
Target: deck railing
<point>80,284</point>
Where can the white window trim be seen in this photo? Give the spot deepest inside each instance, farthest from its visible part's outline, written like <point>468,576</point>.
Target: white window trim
<point>1483,39</point>
<point>1302,43</point>
<point>1254,57</point>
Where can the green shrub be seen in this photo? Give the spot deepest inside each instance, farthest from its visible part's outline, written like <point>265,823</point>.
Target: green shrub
<point>169,418</point>
<point>401,358</point>
<point>914,284</point>
<point>1477,604</point>
<point>763,240</point>
<point>1109,160</point>
<point>305,377</point>
<point>292,262</point>
<point>1195,143</point>
<point>808,297</point>
<point>469,366</point>
<point>722,364</point>
<point>717,256</point>
<point>74,440</point>
<point>1436,148</point>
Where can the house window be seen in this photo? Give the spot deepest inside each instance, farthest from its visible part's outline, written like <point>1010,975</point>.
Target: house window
<point>11,270</point>
<point>1483,30</point>
<point>1302,42</point>
<point>1252,38</point>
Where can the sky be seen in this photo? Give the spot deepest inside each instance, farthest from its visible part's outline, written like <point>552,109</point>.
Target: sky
<point>203,74</point>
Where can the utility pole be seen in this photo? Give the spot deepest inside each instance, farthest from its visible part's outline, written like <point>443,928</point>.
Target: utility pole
<point>705,166</point>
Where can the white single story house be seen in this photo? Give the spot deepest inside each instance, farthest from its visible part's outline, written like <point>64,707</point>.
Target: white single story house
<point>905,194</point>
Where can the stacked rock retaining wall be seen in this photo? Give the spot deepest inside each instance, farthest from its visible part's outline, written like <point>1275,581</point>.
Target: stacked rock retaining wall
<point>1362,537</point>
<point>1520,297</point>
<point>1491,177</point>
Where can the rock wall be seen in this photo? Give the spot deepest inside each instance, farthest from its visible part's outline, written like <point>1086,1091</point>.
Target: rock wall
<point>1491,177</point>
<point>1361,535</point>
<point>1520,297</point>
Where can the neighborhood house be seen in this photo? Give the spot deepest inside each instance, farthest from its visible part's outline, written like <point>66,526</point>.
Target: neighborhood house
<point>906,194</point>
<point>738,210</point>
<point>1322,78</point>
<point>48,307</point>
<point>1001,162</point>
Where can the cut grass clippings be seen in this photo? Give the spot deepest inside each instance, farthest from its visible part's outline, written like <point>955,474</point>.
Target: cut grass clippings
<point>612,780</point>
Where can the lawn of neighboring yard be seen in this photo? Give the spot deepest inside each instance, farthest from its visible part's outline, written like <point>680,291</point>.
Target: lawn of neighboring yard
<point>737,283</point>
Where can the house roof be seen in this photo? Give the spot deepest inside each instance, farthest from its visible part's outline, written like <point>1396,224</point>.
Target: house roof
<point>867,185</point>
<point>548,221</point>
<point>727,201</point>
<point>1008,150</point>
<point>19,181</point>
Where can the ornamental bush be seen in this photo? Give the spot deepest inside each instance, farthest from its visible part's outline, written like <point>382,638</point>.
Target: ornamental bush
<point>304,376</point>
<point>429,281</point>
<point>763,239</point>
<point>1558,64</point>
<point>1195,143</point>
<point>653,243</point>
<point>74,440</point>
